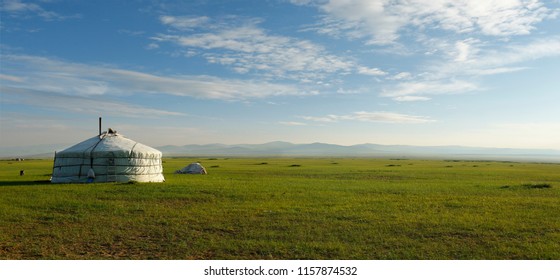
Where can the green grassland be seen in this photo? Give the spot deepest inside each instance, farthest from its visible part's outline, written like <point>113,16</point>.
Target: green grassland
<point>288,208</point>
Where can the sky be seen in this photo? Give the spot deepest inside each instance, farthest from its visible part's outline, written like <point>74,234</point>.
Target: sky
<point>408,72</point>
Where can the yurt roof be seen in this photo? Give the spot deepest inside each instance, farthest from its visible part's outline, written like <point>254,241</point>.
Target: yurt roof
<point>110,143</point>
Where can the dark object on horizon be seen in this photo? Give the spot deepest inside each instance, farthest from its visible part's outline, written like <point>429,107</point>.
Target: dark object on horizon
<point>21,172</point>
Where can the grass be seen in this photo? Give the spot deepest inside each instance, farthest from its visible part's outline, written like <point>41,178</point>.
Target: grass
<point>267,209</point>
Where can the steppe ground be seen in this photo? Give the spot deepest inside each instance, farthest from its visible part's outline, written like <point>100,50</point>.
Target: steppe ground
<point>288,208</point>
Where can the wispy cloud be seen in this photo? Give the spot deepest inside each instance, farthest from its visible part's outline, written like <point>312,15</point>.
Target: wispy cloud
<point>470,58</point>
<point>11,78</point>
<point>456,41</point>
<point>380,22</point>
<point>410,98</point>
<point>18,8</point>
<point>80,104</point>
<point>382,117</point>
<point>400,76</point>
<point>457,71</point>
<point>519,53</point>
<point>75,79</point>
<point>94,89</point>
<point>371,71</point>
<point>21,129</point>
<point>184,22</point>
<point>325,119</point>
<point>246,48</point>
<point>293,123</point>
<point>361,19</point>
<point>420,90</point>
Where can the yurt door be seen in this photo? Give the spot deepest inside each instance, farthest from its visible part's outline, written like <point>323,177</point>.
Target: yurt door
<point>111,169</point>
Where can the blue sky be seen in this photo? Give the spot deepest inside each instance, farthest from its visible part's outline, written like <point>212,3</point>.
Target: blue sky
<point>413,72</point>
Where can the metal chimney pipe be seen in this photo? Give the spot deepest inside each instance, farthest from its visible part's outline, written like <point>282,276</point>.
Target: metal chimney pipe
<point>99,126</point>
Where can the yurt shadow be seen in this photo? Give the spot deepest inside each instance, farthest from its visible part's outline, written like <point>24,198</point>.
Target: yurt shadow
<point>24,183</point>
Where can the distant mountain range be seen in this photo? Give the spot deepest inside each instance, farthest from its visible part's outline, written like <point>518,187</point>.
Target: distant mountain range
<point>363,150</point>
<point>286,149</point>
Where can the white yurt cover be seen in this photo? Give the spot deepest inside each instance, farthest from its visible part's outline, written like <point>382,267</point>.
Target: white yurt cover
<point>193,168</point>
<point>113,158</point>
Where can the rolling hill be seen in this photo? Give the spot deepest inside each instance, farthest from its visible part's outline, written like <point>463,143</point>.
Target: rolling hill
<point>286,149</point>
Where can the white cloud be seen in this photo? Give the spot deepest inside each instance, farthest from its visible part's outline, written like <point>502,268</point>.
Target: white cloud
<point>74,79</point>
<point>371,71</point>
<point>452,62</point>
<point>387,117</point>
<point>293,123</point>
<point>492,61</point>
<point>409,98</point>
<point>381,21</point>
<point>152,46</point>
<point>97,90</point>
<point>463,50</point>
<point>326,119</point>
<point>17,8</point>
<point>184,22</point>
<point>383,117</point>
<point>350,91</point>
<point>457,70</point>
<point>419,90</point>
<point>168,134</point>
<point>11,78</point>
<point>518,53</point>
<point>19,129</point>
<point>499,70</point>
<point>249,49</point>
<point>362,18</point>
<point>401,76</point>
<point>80,104</point>
<point>205,87</point>
<point>301,2</point>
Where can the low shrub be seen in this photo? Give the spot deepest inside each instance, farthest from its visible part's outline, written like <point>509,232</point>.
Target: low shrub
<point>538,186</point>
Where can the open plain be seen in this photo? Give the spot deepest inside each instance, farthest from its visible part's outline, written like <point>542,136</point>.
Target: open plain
<point>288,208</point>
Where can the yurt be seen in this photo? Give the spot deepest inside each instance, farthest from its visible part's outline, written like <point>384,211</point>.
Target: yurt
<point>108,157</point>
<point>193,168</point>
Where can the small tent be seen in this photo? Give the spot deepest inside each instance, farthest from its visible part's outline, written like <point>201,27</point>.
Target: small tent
<point>108,157</point>
<point>193,168</point>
